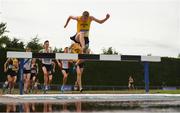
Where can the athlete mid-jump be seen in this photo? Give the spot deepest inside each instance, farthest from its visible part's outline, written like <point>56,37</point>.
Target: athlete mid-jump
<point>83,27</point>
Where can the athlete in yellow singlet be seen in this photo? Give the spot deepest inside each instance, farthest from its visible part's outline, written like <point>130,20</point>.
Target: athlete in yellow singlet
<point>11,67</point>
<point>83,28</point>
<point>79,66</point>
<point>75,48</point>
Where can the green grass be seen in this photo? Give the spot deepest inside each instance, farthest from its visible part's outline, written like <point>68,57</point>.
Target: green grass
<point>165,91</point>
<point>16,91</point>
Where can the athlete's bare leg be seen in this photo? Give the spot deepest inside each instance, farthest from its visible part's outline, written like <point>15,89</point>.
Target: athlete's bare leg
<point>45,77</point>
<point>80,38</point>
<point>50,79</point>
<point>79,77</point>
<point>65,75</point>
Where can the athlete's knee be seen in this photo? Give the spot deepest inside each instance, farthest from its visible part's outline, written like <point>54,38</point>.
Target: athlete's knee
<point>65,76</point>
<point>78,73</point>
<point>45,73</point>
<point>28,78</point>
<point>50,77</point>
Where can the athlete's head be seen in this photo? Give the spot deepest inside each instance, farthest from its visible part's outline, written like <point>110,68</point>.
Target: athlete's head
<point>85,14</point>
<point>76,48</point>
<point>28,49</point>
<point>15,62</point>
<point>46,44</point>
<point>33,61</point>
<point>66,50</point>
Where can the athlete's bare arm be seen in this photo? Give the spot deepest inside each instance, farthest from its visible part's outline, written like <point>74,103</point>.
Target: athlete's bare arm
<point>37,68</point>
<point>18,65</point>
<point>59,64</point>
<point>5,64</point>
<point>100,21</point>
<point>70,17</point>
<point>54,66</point>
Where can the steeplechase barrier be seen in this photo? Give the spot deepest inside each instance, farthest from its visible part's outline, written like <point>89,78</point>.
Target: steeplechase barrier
<point>89,57</point>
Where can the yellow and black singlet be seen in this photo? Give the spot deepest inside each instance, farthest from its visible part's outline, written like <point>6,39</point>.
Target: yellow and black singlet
<point>83,25</point>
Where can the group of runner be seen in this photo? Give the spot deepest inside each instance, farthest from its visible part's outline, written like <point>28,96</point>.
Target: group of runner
<point>80,45</point>
<point>30,72</point>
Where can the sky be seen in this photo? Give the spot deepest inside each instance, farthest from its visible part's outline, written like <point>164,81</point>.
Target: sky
<point>135,27</point>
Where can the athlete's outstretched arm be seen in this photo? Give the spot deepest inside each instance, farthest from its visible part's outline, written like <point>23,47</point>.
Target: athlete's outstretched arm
<point>70,17</point>
<point>100,21</point>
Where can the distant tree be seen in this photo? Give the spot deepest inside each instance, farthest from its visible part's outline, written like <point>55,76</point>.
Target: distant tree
<point>109,51</point>
<point>13,44</point>
<point>16,43</point>
<point>2,28</point>
<point>34,44</point>
<point>60,50</point>
<point>4,41</point>
<point>179,55</point>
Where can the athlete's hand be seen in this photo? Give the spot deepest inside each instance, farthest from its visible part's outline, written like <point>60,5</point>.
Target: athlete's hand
<point>107,16</point>
<point>65,26</point>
